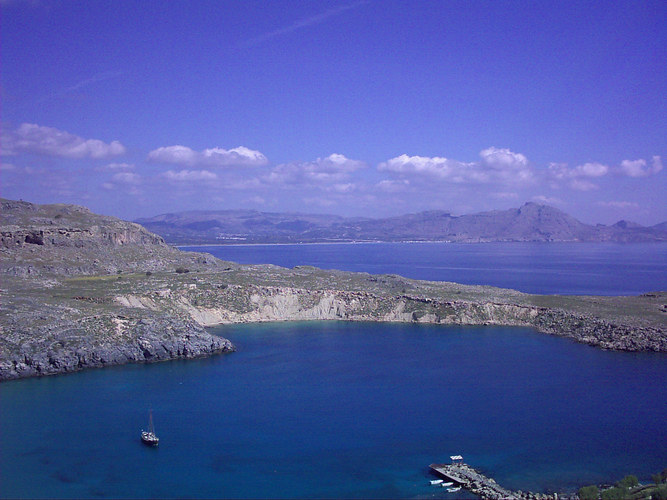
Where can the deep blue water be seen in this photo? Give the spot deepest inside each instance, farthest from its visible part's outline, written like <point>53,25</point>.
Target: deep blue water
<point>338,409</point>
<point>318,410</point>
<point>545,268</point>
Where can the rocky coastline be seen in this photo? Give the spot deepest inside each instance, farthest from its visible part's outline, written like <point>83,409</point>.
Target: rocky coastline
<point>83,291</point>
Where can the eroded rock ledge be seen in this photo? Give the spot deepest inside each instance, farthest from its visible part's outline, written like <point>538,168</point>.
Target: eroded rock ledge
<point>290,304</point>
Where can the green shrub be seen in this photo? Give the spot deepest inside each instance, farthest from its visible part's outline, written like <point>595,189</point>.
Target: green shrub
<point>660,493</point>
<point>589,493</point>
<point>628,481</point>
<point>614,494</point>
<point>181,270</point>
<point>660,477</point>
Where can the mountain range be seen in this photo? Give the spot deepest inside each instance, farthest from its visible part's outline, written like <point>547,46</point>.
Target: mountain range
<point>530,222</point>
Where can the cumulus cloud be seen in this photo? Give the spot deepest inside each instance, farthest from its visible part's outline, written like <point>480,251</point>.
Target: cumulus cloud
<point>189,175</point>
<point>333,170</point>
<point>31,138</point>
<point>503,158</point>
<point>640,168</point>
<point>561,171</point>
<point>578,178</point>
<point>213,157</point>
<point>433,167</point>
<point>496,165</point>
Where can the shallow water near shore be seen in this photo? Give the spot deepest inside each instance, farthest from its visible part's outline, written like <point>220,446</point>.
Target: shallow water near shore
<point>336,409</point>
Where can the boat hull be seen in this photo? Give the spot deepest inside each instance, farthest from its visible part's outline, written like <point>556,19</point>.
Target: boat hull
<point>149,439</point>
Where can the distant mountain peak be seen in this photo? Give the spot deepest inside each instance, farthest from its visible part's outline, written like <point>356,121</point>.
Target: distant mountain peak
<point>626,224</point>
<point>530,222</point>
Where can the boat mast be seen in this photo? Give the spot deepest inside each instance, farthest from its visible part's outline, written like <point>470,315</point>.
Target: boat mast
<point>150,423</point>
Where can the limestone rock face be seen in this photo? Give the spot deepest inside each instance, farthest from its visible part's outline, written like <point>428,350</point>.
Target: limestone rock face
<point>37,240</point>
<point>266,303</point>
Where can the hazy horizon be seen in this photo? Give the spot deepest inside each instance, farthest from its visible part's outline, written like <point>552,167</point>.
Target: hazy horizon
<point>368,108</point>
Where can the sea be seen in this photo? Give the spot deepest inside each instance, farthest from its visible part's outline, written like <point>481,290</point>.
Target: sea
<point>360,410</point>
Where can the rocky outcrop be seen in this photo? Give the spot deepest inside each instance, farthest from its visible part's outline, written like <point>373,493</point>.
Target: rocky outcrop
<point>94,237</point>
<point>39,240</point>
<point>69,347</point>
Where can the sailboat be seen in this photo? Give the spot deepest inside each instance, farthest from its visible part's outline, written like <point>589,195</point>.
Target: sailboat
<point>148,437</point>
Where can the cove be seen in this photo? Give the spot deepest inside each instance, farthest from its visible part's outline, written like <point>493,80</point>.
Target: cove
<point>337,409</point>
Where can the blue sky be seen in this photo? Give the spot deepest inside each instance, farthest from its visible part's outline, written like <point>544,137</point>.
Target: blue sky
<point>374,108</point>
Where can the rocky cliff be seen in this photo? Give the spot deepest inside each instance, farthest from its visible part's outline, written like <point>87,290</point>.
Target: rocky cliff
<point>82,291</point>
<point>44,240</point>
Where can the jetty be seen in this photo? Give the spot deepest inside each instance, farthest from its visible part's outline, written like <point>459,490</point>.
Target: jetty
<point>476,482</point>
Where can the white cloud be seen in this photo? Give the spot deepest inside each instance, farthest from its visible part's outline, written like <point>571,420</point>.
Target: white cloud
<point>496,165</point>
<point>434,167</point>
<point>503,158</point>
<point>549,200</point>
<point>583,185</point>
<point>334,169</point>
<point>393,186</point>
<point>591,170</point>
<point>126,178</point>
<point>189,175</point>
<point>577,178</point>
<point>213,157</point>
<point>561,171</point>
<point>619,204</point>
<point>344,188</point>
<point>31,138</point>
<point>639,168</point>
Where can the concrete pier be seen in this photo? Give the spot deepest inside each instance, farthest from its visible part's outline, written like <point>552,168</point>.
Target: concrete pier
<point>485,487</point>
<point>473,481</point>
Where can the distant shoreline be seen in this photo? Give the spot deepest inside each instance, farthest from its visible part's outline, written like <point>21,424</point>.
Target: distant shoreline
<point>359,242</point>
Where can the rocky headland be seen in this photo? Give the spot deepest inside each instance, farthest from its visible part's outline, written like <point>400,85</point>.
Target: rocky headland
<point>80,290</point>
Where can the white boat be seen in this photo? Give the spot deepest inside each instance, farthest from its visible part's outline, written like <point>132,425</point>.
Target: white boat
<point>436,481</point>
<point>452,490</point>
<point>447,485</point>
<point>148,437</point>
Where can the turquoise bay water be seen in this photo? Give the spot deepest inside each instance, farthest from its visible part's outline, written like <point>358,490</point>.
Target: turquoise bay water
<point>335,409</point>
<point>359,410</point>
<point>545,268</point>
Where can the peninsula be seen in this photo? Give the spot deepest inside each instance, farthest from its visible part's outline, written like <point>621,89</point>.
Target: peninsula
<point>81,290</point>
